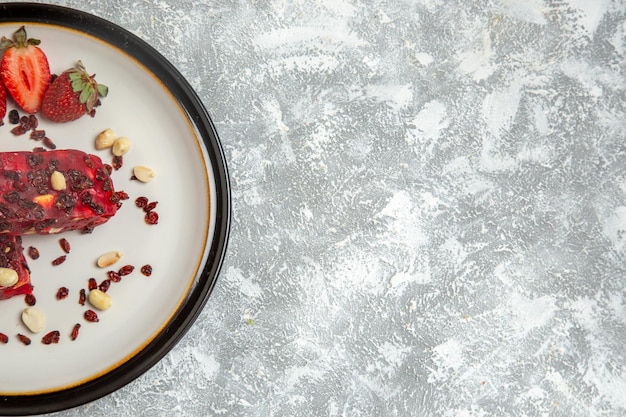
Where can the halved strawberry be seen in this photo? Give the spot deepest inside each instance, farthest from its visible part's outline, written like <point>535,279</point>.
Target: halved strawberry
<point>72,94</point>
<point>24,70</point>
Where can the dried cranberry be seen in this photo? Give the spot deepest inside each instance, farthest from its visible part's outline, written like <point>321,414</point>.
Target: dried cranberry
<point>62,293</point>
<point>33,252</point>
<point>91,316</point>
<point>152,218</point>
<point>65,245</point>
<point>38,134</point>
<point>52,337</point>
<point>146,270</point>
<point>30,300</point>
<point>82,297</point>
<point>24,339</point>
<point>48,143</point>
<point>25,122</point>
<point>32,121</point>
<point>118,162</point>
<point>59,260</point>
<point>122,195</point>
<point>114,276</point>
<point>150,206</point>
<point>18,130</point>
<point>4,338</point>
<point>93,284</point>
<point>126,270</point>
<point>75,330</point>
<point>104,285</point>
<point>141,202</point>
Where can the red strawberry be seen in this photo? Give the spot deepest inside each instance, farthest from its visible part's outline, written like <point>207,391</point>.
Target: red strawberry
<point>24,69</point>
<point>72,94</point>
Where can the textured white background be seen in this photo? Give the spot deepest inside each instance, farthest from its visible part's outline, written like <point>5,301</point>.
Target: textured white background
<point>429,208</point>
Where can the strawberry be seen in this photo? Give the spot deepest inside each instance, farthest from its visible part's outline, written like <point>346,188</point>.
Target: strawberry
<point>72,94</point>
<point>24,70</point>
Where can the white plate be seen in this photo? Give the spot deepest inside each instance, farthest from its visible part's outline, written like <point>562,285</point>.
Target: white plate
<point>151,104</point>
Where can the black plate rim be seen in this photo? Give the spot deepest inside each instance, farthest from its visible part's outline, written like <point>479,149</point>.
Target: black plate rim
<point>205,281</point>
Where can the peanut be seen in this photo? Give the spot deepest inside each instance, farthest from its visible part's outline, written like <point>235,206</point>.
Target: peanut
<point>8,277</point>
<point>33,319</point>
<point>58,181</point>
<point>121,146</point>
<point>143,174</point>
<point>100,300</point>
<point>105,139</point>
<point>108,259</point>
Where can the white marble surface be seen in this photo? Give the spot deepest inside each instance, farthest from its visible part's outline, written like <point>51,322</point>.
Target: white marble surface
<point>429,208</point>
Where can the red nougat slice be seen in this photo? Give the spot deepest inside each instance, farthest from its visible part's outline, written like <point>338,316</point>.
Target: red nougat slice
<point>12,256</point>
<point>31,203</point>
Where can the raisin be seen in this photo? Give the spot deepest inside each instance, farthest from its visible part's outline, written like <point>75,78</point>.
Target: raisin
<point>62,293</point>
<point>82,297</point>
<point>12,175</point>
<point>75,330</point>
<point>88,161</point>
<point>12,197</point>
<point>65,202</point>
<point>20,185</point>
<point>52,337</point>
<point>92,285</point>
<point>91,316</point>
<point>24,339</point>
<point>14,117</point>
<point>59,260</point>
<point>30,300</point>
<point>79,181</point>
<point>34,159</point>
<point>152,218</point>
<point>4,338</point>
<point>65,245</point>
<point>141,202</point>
<point>126,270</point>
<point>87,229</point>
<point>146,270</point>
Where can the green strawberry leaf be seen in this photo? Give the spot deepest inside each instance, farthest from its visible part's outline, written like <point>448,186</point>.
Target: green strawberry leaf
<point>103,90</point>
<point>76,75</point>
<point>78,85</point>
<point>86,94</point>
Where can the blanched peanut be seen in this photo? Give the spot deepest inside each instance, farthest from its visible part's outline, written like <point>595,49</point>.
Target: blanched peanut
<point>58,181</point>
<point>121,146</point>
<point>109,258</point>
<point>33,319</point>
<point>99,299</point>
<point>143,174</point>
<point>8,277</point>
<point>105,139</point>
